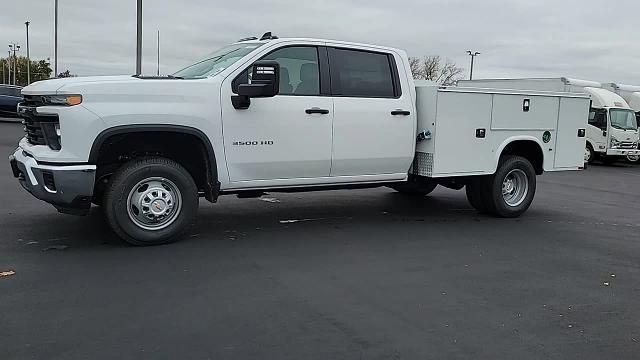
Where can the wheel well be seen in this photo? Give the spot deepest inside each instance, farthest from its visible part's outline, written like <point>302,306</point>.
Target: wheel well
<point>188,149</point>
<point>528,149</point>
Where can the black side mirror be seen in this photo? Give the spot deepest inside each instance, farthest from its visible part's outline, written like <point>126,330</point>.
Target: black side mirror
<point>265,82</point>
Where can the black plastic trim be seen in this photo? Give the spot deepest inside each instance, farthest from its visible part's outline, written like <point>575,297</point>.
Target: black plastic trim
<point>124,129</point>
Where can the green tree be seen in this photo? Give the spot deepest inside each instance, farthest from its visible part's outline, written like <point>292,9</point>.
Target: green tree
<point>40,70</point>
<point>65,74</point>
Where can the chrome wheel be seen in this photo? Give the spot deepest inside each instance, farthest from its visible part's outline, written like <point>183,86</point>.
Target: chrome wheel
<point>515,187</point>
<point>154,203</point>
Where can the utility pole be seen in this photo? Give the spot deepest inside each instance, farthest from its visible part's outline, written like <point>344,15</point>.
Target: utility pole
<point>473,55</point>
<point>28,58</point>
<point>55,42</point>
<point>14,47</point>
<point>158,52</point>
<point>139,39</point>
<point>9,68</point>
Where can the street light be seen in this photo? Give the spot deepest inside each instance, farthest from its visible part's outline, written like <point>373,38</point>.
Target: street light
<point>473,55</point>
<point>26,23</point>
<point>55,41</point>
<point>139,39</point>
<point>14,47</point>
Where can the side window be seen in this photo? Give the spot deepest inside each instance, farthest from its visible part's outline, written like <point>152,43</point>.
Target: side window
<point>299,73</point>
<point>361,74</point>
<point>598,119</point>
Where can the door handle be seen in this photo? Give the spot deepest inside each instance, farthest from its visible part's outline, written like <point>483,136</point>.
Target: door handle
<point>401,112</point>
<point>316,110</point>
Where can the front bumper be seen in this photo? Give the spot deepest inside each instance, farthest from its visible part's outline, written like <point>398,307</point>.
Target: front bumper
<point>67,187</point>
<point>623,152</point>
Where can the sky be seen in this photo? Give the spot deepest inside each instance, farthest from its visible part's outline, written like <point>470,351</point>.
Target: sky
<point>588,39</point>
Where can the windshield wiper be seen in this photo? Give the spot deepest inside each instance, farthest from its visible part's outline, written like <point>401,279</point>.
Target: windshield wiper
<point>175,77</point>
<point>617,127</point>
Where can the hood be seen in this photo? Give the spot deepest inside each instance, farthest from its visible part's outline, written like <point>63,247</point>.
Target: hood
<point>52,86</point>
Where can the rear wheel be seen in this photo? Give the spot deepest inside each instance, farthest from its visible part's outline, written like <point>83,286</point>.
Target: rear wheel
<point>474,194</point>
<point>510,191</point>
<point>151,201</point>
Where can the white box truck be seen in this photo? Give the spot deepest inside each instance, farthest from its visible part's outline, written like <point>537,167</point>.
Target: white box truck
<point>274,115</point>
<point>612,133</point>
<point>631,94</point>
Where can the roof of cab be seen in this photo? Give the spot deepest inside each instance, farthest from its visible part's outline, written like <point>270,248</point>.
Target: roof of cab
<point>333,42</point>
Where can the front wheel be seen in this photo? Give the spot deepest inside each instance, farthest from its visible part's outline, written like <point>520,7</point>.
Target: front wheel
<point>633,158</point>
<point>589,154</point>
<point>509,192</point>
<point>151,201</point>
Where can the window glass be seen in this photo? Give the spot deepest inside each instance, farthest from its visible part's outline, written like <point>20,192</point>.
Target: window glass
<point>5,90</point>
<point>217,61</point>
<point>623,119</point>
<point>360,73</point>
<point>299,74</point>
<point>598,119</point>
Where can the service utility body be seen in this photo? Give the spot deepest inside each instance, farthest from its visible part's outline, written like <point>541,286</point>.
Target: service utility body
<point>275,114</point>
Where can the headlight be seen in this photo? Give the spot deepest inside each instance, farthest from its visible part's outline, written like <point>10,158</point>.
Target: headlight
<point>614,142</point>
<point>65,100</point>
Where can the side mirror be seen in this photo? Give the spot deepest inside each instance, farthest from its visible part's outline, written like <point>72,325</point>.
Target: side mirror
<point>604,132</point>
<point>265,82</point>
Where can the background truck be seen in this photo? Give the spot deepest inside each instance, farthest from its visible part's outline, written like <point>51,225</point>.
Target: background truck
<point>284,115</point>
<point>612,131</point>
<point>631,94</point>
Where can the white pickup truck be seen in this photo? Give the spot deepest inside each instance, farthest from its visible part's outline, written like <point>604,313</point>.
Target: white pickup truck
<point>275,114</point>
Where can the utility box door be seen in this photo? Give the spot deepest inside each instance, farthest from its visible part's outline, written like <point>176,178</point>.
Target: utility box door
<point>457,149</point>
<point>569,146</point>
<point>524,112</point>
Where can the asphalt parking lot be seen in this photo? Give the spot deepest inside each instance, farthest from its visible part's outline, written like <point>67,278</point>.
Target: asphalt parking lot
<point>360,274</point>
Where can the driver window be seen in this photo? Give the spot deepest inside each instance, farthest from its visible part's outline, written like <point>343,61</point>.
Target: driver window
<point>299,74</point>
<point>598,119</point>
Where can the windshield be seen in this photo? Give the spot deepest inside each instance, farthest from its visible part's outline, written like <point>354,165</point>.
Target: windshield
<point>623,119</point>
<point>217,61</point>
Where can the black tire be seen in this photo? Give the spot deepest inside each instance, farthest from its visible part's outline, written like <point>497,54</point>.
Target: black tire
<point>419,188</point>
<point>474,194</point>
<point>492,187</point>
<point>120,215</point>
<point>590,155</point>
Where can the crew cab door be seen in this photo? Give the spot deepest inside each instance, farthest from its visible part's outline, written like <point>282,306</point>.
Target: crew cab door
<point>283,137</point>
<point>374,120</point>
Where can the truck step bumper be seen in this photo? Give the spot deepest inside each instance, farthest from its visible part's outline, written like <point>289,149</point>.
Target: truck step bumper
<point>68,188</point>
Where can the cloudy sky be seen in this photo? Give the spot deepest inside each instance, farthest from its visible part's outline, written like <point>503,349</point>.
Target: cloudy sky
<point>595,40</point>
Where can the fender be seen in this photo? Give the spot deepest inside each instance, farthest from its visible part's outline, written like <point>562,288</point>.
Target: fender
<point>214,184</point>
<point>511,139</point>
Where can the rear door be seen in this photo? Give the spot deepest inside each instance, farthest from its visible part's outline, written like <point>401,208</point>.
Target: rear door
<point>374,121</point>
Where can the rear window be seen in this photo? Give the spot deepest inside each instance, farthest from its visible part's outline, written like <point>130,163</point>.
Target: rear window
<point>358,73</point>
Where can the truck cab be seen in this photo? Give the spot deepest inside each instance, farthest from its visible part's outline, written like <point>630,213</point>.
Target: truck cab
<point>631,94</point>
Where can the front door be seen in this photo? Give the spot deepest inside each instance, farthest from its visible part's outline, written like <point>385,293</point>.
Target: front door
<point>597,129</point>
<point>374,121</point>
<point>284,137</point>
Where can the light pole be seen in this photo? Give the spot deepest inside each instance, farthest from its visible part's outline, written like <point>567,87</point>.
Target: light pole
<point>473,55</point>
<point>9,68</point>
<point>139,39</point>
<point>28,58</point>
<point>158,52</point>
<point>55,42</point>
<point>14,47</point>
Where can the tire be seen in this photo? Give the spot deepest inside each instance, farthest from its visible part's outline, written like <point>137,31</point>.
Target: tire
<point>151,201</point>
<point>517,177</point>
<point>633,158</point>
<point>419,188</point>
<point>474,195</point>
<point>589,154</point>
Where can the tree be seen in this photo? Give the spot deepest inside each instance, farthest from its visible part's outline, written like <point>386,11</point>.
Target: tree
<point>434,68</point>
<point>66,74</point>
<point>40,70</point>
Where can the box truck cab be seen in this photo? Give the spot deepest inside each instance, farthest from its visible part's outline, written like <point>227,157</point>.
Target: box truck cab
<point>612,133</point>
<point>631,94</point>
